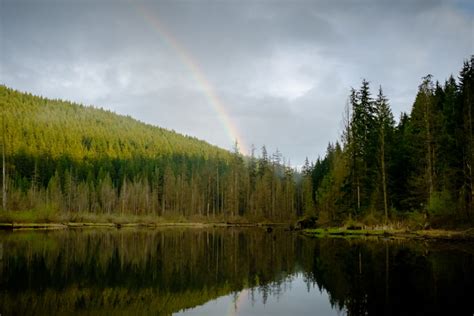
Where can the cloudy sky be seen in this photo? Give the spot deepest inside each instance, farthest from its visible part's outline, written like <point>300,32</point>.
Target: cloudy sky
<point>268,72</point>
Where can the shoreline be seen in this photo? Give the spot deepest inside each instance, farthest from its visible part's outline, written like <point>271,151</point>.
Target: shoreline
<point>67,225</point>
<point>332,232</point>
<point>426,234</point>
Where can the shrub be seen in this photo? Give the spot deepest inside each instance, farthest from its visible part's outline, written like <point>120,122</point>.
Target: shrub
<point>440,203</point>
<point>416,220</point>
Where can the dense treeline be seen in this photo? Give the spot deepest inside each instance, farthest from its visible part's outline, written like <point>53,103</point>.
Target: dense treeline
<point>69,159</point>
<point>419,167</point>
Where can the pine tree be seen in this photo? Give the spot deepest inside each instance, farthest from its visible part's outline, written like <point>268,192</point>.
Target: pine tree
<point>362,147</point>
<point>4,166</point>
<point>422,179</point>
<point>466,87</point>
<point>385,123</point>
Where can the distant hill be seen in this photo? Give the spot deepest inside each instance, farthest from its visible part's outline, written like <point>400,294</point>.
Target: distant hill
<point>65,159</point>
<point>41,126</point>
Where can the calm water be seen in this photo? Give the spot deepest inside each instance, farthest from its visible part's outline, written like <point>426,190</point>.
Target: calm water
<point>230,272</point>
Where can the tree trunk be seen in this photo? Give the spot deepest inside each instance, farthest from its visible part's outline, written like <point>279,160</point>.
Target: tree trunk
<point>218,192</point>
<point>470,158</point>
<point>358,195</point>
<point>163,200</point>
<point>384,180</point>
<point>4,172</point>
<point>429,149</point>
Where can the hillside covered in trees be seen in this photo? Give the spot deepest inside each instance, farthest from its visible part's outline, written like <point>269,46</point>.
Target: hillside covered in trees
<point>419,167</point>
<point>69,159</point>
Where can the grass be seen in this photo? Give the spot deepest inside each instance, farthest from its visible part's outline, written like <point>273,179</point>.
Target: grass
<point>467,234</point>
<point>47,216</point>
<point>341,231</point>
<point>446,234</point>
<point>47,219</point>
<point>30,216</point>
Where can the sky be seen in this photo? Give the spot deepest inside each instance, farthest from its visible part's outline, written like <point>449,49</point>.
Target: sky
<point>274,73</point>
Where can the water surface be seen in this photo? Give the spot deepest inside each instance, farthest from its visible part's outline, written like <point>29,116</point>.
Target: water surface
<point>230,271</point>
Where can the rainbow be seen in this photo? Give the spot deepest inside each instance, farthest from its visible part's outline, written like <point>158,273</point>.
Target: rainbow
<point>193,66</point>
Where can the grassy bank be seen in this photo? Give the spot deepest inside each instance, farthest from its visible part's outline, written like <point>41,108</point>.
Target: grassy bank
<point>44,219</point>
<point>65,225</point>
<point>466,234</point>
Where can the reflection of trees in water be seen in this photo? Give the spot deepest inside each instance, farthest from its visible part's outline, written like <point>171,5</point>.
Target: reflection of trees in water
<point>145,269</point>
<point>395,277</point>
<point>162,271</point>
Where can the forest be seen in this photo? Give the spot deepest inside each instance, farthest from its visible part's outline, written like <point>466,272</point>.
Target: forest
<point>65,159</point>
<point>68,159</point>
<point>419,168</point>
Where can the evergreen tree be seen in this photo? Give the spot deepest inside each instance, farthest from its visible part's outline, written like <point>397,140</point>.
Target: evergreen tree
<point>385,124</point>
<point>466,87</point>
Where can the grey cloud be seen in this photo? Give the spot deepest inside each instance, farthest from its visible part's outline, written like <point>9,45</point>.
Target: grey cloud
<point>282,68</point>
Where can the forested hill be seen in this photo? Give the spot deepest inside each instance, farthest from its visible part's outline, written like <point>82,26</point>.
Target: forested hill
<point>64,159</point>
<point>55,128</point>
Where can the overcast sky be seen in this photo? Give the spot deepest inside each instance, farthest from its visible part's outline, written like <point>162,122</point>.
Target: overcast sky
<point>282,69</point>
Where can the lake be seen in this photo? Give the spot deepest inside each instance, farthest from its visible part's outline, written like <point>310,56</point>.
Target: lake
<point>230,271</point>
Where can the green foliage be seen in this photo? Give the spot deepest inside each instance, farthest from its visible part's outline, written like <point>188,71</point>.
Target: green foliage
<point>421,164</point>
<point>417,220</point>
<point>42,215</point>
<point>372,219</point>
<point>68,159</point>
<point>440,203</point>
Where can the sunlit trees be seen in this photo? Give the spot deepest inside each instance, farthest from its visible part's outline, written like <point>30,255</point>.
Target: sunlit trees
<point>72,159</point>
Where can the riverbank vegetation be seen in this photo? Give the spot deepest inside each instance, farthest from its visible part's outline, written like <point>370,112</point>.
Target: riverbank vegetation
<point>417,171</point>
<point>393,233</point>
<point>68,162</point>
